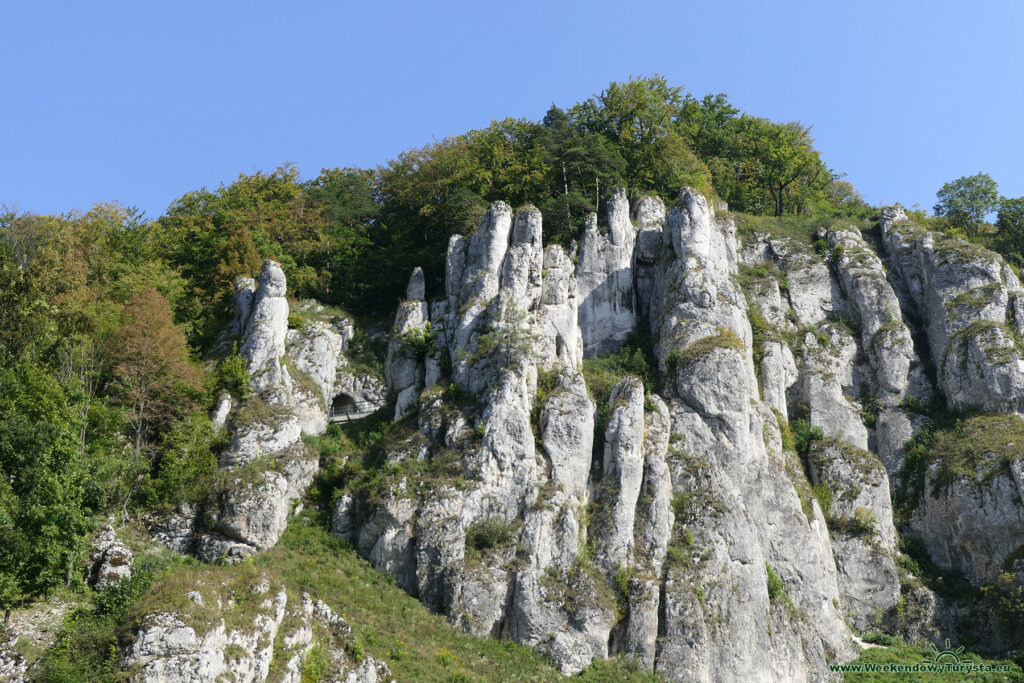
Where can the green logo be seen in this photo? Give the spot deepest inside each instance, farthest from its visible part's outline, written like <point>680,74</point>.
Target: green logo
<point>946,656</point>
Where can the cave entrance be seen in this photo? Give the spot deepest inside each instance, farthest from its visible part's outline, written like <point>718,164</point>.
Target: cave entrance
<point>342,407</point>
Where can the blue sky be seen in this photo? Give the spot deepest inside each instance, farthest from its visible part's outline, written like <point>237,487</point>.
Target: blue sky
<point>141,102</point>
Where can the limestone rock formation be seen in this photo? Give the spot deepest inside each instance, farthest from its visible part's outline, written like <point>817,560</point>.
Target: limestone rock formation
<point>295,376</point>
<point>971,301</point>
<point>727,517</point>
<point>636,552</point>
<point>608,307</point>
<point>405,363</point>
<point>863,535</point>
<point>240,632</point>
<point>974,524</point>
<point>111,560</point>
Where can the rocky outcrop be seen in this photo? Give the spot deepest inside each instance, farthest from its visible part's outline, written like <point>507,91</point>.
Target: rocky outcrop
<point>896,371</point>
<point>295,375</point>
<point>737,512</point>
<point>856,487</point>
<point>778,374</point>
<point>676,523</point>
<point>830,377</point>
<point>242,632</point>
<point>111,560</point>
<point>971,302</point>
<point>690,501</point>
<point>509,315</point>
<point>266,328</point>
<point>622,477</point>
<point>649,219</point>
<point>974,523</point>
<point>405,368</point>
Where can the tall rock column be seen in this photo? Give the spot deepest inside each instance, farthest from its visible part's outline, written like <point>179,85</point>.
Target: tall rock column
<point>896,369</point>
<point>607,310</point>
<point>266,328</point>
<point>737,512</point>
<point>404,367</point>
<point>267,466</point>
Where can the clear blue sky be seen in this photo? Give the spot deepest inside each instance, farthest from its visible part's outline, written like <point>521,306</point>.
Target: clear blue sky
<point>143,101</point>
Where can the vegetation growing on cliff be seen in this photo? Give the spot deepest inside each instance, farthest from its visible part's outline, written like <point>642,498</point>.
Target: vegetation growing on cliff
<point>109,323</point>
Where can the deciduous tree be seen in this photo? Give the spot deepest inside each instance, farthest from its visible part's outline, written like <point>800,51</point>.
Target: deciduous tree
<point>1010,229</point>
<point>967,200</point>
<point>152,371</point>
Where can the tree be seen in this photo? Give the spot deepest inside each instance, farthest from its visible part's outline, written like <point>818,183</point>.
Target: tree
<point>967,200</point>
<point>1010,229</point>
<point>152,371</point>
<point>351,214</point>
<point>643,119</point>
<point>426,194</point>
<point>579,162</point>
<point>42,516</point>
<point>781,159</point>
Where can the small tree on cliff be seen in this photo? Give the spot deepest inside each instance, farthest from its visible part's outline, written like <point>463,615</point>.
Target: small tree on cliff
<point>508,334</point>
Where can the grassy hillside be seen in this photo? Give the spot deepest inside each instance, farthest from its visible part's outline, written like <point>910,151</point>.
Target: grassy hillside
<point>386,622</point>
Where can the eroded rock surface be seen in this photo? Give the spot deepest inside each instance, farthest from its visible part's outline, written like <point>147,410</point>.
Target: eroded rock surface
<point>647,549</point>
<point>675,522</point>
<point>295,376</point>
<point>970,300</point>
<point>241,632</point>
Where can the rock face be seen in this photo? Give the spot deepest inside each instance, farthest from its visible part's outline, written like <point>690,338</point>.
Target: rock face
<point>295,376</point>
<point>111,560</point>
<point>974,524</point>
<point>241,632</point>
<point>863,535</point>
<point>971,301</point>
<point>608,306</point>
<point>729,520</point>
<point>896,371</point>
<point>660,546</point>
<point>266,327</point>
<point>738,512</point>
<point>405,363</point>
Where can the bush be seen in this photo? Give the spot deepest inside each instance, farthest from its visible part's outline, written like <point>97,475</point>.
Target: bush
<point>420,341</point>
<point>775,590</point>
<point>788,442</point>
<point>232,376</point>
<point>877,638</point>
<point>490,532</point>
<point>804,435</point>
<point>315,665</point>
<point>863,523</point>
<point>188,460</point>
<point>823,492</point>
<point>761,332</point>
<point>86,650</point>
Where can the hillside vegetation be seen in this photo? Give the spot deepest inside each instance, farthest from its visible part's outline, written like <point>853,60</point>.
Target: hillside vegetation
<point>111,359</point>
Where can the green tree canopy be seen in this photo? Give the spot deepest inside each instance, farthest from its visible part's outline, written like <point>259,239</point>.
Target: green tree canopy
<point>350,236</point>
<point>1010,229</point>
<point>967,200</point>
